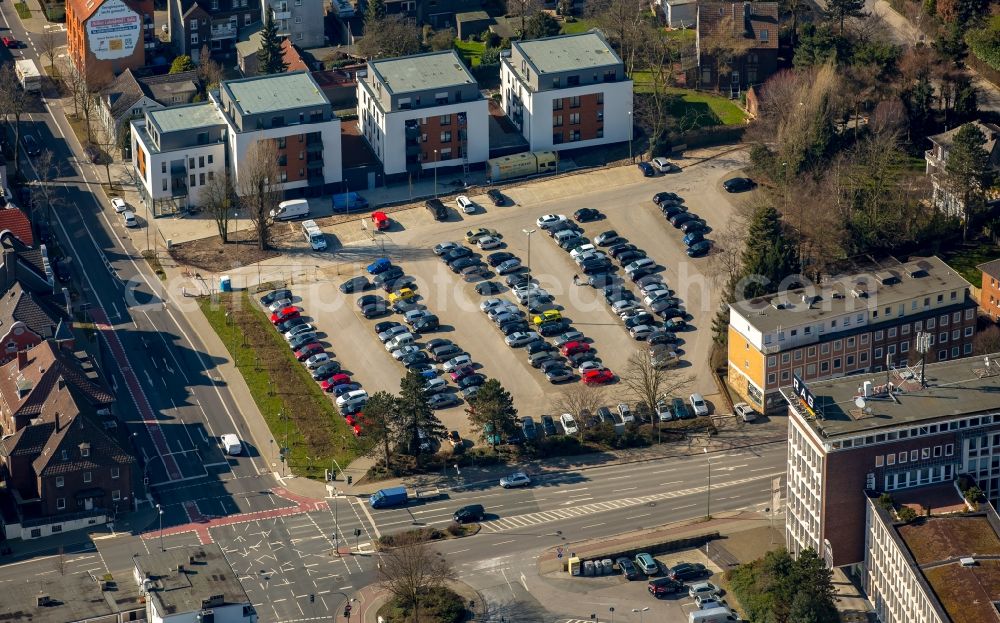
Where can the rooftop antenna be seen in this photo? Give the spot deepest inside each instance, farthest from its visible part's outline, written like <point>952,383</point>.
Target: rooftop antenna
<point>860,402</point>
<point>923,344</point>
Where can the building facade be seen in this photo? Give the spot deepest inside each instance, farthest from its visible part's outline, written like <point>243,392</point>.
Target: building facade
<point>848,325</point>
<point>936,161</point>
<point>217,23</point>
<point>567,92</point>
<point>884,432</point>
<point>422,112</point>
<point>436,13</point>
<point>989,294</point>
<point>129,96</point>
<point>300,21</point>
<point>106,37</point>
<point>737,45</point>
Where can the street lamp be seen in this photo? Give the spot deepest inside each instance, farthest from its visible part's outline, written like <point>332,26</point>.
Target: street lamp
<point>236,234</point>
<point>528,232</point>
<point>708,503</point>
<point>436,173</point>
<point>612,611</point>
<point>640,612</point>
<point>631,133</point>
<point>160,510</point>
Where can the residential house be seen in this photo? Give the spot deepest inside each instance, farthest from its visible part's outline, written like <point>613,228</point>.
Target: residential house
<point>423,112</point>
<point>300,22</point>
<point>106,37</point>
<point>16,222</point>
<point>216,23</point>
<point>567,92</point>
<point>246,55</point>
<point>678,13</point>
<point>130,96</point>
<point>26,320</point>
<point>736,44</point>
<point>989,294</point>
<point>435,13</point>
<point>936,160</point>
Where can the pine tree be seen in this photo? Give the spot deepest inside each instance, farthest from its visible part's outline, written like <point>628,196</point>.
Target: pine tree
<point>374,12</point>
<point>769,256</point>
<point>380,424</point>
<point>840,9</point>
<point>968,171</point>
<point>269,58</point>
<point>415,415</point>
<point>492,412</point>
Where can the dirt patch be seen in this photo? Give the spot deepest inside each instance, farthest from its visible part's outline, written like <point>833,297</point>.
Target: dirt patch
<point>752,544</point>
<point>213,256</point>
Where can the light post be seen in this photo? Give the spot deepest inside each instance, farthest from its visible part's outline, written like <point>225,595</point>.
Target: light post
<point>631,133</point>
<point>708,502</point>
<point>528,232</point>
<point>336,522</point>
<point>435,174</point>
<point>160,511</point>
<point>236,234</point>
<point>640,612</point>
<point>612,611</point>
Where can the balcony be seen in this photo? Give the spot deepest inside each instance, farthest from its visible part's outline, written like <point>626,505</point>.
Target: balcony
<point>314,157</point>
<point>931,157</point>
<point>226,30</point>
<point>412,150</point>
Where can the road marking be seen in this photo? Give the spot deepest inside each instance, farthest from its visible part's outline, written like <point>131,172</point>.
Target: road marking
<point>677,508</point>
<point>503,542</point>
<point>638,516</point>
<point>619,477</point>
<point>628,489</point>
<point>593,525</point>
<point>677,482</point>
<point>369,515</point>
<point>760,469</point>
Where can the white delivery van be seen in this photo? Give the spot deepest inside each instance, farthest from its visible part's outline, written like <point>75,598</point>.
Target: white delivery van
<point>231,444</point>
<point>314,235</point>
<point>713,615</point>
<point>293,208</point>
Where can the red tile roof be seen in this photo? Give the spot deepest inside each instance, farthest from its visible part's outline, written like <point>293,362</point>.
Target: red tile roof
<point>292,58</point>
<point>16,221</point>
<point>742,23</point>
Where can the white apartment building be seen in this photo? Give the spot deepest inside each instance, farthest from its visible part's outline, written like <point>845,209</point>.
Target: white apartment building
<point>422,112</point>
<point>302,21</point>
<point>567,92</point>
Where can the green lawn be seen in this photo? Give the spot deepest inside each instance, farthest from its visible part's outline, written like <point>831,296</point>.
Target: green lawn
<point>965,260</point>
<point>689,109</point>
<point>22,10</point>
<point>683,36</point>
<point>470,51</point>
<point>281,385</point>
<point>576,26</point>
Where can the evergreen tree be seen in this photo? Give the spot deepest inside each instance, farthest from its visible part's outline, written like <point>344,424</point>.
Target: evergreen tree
<point>920,104</point>
<point>966,99</point>
<point>415,415</point>
<point>269,57</point>
<point>374,12</point>
<point>492,412</point>
<point>841,9</point>
<point>540,25</point>
<point>769,255</point>
<point>380,425</point>
<point>182,63</point>
<point>968,171</point>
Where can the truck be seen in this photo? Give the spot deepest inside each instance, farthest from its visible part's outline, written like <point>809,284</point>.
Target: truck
<point>314,235</point>
<point>28,75</point>
<point>231,444</point>
<point>713,615</point>
<point>521,165</point>
<point>385,498</point>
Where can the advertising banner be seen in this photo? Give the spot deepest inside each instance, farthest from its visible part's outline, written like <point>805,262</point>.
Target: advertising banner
<point>113,30</point>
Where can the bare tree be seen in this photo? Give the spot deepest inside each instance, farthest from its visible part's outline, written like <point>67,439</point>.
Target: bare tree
<point>657,57</point>
<point>411,569</point>
<point>623,21</point>
<point>76,82</point>
<point>219,197</point>
<point>723,47</point>
<point>13,102</point>
<point>48,44</point>
<point>209,71</point>
<point>987,341</point>
<point>259,188</point>
<point>647,383</point>
<point>579,399</point>
<point>44,173</point>
<point>108,143</point>
<point>88,101</point>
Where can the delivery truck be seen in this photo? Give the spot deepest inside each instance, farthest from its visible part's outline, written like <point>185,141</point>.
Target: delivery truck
<point>28,75</point>
<point>713,615</point>
<point>386,498</point>
<point>314,235</point>
<point>521,165</point>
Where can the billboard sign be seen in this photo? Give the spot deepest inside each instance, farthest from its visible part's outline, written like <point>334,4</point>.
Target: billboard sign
<point>113,30</point>
<point>803,393</point>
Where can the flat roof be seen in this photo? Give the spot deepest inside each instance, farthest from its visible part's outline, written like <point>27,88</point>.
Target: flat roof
<point>275,92</point>
<point>186,117</point>
<point>422,72</point>
<point>75,597</point>
<point>584,50</point>
<point>183,579</point>
<point>953,389</point>
<point>886,285</point>
<point>936,543</point>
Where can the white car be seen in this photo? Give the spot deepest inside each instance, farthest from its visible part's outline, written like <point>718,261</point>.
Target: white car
<point>663,412</point>
<point>620,307</point>
<point>653,286</point>
<point>456,363</point>
<point>297,329</point>
<point>119,204</point>
<point>625,413</point>
<point>468,205</point>
<point>489,242</point>
<point>520,338</point>
<point>282,304</point>
<point>568,424</point>
<point>663,165</point>
<point>548,220</point>
<point>486,305</point>
<point>435,386</point>
<point>403,351</point>
<point>128,219</point>
<point>702,589</point>
<point>392,332</point>
<point>590,365</point>
<point>582,249</point>
<point>517,479</point>
<point>656,295</point>
<point>640,264</point>
<point>500,310</point>
<point>745,412</point>
<point>399,341</point>
<point>698,404</point>
<point>416,314</point>
<point>317,360</point>
<point>640,332</point>
<point>356,395</point>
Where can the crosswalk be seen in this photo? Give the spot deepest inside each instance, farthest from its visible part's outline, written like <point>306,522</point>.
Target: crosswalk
<point>559,514</point>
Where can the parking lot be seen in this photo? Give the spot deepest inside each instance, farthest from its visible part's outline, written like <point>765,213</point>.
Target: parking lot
<point>628,209</point>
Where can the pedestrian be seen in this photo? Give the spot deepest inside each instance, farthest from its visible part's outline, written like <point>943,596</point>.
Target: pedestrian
<point>576,280</point>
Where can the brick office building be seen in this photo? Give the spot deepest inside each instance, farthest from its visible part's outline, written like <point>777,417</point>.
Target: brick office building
<point>848,325</point>
<point>106,37</point>
<point>989,296</point>
<point>884,432</point>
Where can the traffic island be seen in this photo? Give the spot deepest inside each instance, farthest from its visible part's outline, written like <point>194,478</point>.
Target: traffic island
<point>424,535</point>
<point>441,604</point>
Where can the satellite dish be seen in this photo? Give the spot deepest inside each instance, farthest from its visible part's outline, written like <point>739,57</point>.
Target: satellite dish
<point>859,402</point>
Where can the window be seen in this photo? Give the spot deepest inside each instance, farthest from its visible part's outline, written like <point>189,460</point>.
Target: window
<point>890,459</point>
<point>942,355</point>
<point>925,453</point>
<point>878,353</point>
<point>850,361</point>
<point>956,334</point>
<point>87,476</point>
<point>850,342</point>
<point>930,324</point>
<point>957,316</point>
<point>943,320</point>
<point>942,337</point>
<point>892,332</point>
<point>890,349</point>
<point>201,179</point>
<point>785,358</point>
<point>60,504</point>
<point>864,338</point>
<point>954,351</point>
<point>193,179</point>
<point>864,357</point>
<point>905,329</point>
<point>201,162</point>
<point>210,158</point>
<point>879,461</point>
<point>824,366</point>
<point>764,34</point>
<point>445,119</point>
<point>949,449</point>
<point>836,363</point>
<point>284,176</point>
<point>282,142</point>
<point>557,121</point>
<point>904,347</point>
<point>164,185</point>
<point>246,19</point>
<point>211,175</point>
<point>574,102</point>
<point>837,345</point>
<point>913,455</point>
<point>194,38</point>
<point>785,376</point>
<point>60,482</point>
<point>798,354</point>
<point>574,118</point>
<point>811,369</point>
<point>85,452</point>
<point>557,104</point>
<point>56,527</point>
<point>879,335</point>
<point>771,361</point>
<point>163,167</point>
<point>969,314</point>
<point>967,349</point>
<point>116,495</point>
<point>771,378</point>
<point>190,163</point>
<point>824,349</point>
<point>937,451</point>
<point>902,457</point>
<point>446,137</point>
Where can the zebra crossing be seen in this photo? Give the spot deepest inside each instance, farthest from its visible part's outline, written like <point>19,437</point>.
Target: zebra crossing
<point>559,514</point>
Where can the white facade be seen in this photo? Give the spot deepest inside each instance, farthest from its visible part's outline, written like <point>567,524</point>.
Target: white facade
<point>26,533</point>
<point>299,20</point>
<point>536,109</point>
<point>386,132</point>
<point>804,494</point>
<point>679,13</point>
<point>201,163</point>
<point>138,110</point>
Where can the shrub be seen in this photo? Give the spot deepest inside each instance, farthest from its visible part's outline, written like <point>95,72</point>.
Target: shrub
<point>906,514</point>
<point>439,604</point>
<point>490,39</point>
<point>885,501</point>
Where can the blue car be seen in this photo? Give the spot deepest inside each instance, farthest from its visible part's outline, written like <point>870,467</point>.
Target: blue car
<point>699,248</point>
<point>379,266</point>
<point>647,169</point>
<point>693,237</point>
<point>343,388</point>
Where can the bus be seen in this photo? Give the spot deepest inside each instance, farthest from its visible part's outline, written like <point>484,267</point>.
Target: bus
<point>28,75</point>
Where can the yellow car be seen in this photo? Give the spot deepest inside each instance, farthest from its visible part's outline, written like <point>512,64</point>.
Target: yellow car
<point>401,295</point>
<point>552,314</point>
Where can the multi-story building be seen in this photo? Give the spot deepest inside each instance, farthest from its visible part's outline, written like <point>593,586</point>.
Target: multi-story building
<point>940,569</point>
<point>130,96</point>
<point>936,162</point>
<point>217,23</point>
<point>422,112</point>
<point>884,432</point>
<point>736,44</point>
<point>436,13</point>
<point>301,22</point>
<point>989,294</point>
<point>567,92</point>
<point>106,37</point>
<point>179,150</point>
<point>848,325</point>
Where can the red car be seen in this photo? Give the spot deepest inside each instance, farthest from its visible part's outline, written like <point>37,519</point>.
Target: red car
<point>462,372</point>
<point>381,220</point>
<point>335,380</point>
<point>357,430</point>
<point>285,314</point>
<point>308,351</point>
<point>11,42</point>
<point>598,377</point>
<point>572,348</point>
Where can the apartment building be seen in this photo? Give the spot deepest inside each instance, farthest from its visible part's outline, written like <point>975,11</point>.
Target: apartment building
<point>989,294</point>
<point>422,112</point>
<point>567,92</point>
<point>218,23</point>
<point>848,325</point>
<point>106,37</point>
<point>301,21</point>
<point>884,432</point>
<point>178,151</point>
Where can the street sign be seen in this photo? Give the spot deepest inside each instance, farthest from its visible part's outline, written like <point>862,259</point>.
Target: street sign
<point>559,552</point>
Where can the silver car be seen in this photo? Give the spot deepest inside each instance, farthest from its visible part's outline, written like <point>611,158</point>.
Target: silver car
<point>517,479</point>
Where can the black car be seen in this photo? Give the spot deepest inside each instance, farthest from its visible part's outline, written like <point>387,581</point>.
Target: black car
<point>672,209</point>
<point>630,256</point>
<point>662,197</point>
<point>687,571</point>
<point>427,324</point>
<point>537,346</point>
<point>568,244</point>
<point>680,218</point>
<point>694,225</point>
<point>551,328</point>
<point>498,258</point>
<point>661,336</point>
<point>625,565</point>
<point>601,280</point>
<point>605,414</point>
<point>617,249</point>
<point>404,305</point>
<point>472,512</point>
<point>355,284</point>
<point>276,295</point>
<point>462,263</point>
<point>515,326</point>
<point>584,215</point>
<point>438,343</point>
<point>579,358</point>
<point>552,364</point>
<point>638,319</point>
<point>496,197</point>
<point>488,287</point>
<point>591,267</point>
<point>62,270</point>
<point>437,209</point>
<point>406,281</point>
<point>642,273</point>
<point>647,169</point>
<point>392,274</point>
<point>456,254</point>
<point>473,380</point>
<point>517,279</point>
<point>31,145</point>
<point>374,310</point>
<point>288,325</point>
<point>370,299</point>
<point>416,358</point>
<point>326,370</point>
<point>548,425</point>
<point>739,185</point>
<point>446,353</point>
<point>562,226</point>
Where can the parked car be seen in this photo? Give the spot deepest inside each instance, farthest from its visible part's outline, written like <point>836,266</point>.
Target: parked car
<point>509,266</point>
<point>699,248</point>
<point>498,258</point>
<point>473,235</point>
<point>739,184</point>
<point>308,351</point>
<point>567,337</point>
<point>548,425</point>
<point>647,169</point>
<point>745,412</point>
<point>517,479</point>
<point>628,569</point>
<point>598,377</point>
<point>664,197</point>
<point>663,165</point>
<point>496,197</point>
<point>698,404</point>
<point>703,589</point>
<point>559,374</point>
<point>664,586</point>
<point>647,564</point>
<point>468,205</point>
<point>520,338</point>
<point>442,401</point>
<point>685,571</point>
<point>488,287</point>
<point>569,424</point>
<point>528,428</point>
<point>585,215</point>
<point>437,209</point>
<point>275,295</point>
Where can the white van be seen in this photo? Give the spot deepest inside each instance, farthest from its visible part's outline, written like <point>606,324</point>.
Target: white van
<point>231,444</point>
<point>293,208</point>
<point>314,235</point>
<point>714,615</point>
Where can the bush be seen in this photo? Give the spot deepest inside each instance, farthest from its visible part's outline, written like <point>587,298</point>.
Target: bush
<point>906,514</point>
<point>490,39</point>
<point>410,536</point>
<point>439,604</point>
<point>490,57</point>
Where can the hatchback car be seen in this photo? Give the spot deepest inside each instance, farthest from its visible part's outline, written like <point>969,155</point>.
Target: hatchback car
<point>473,235</point>
<point>699,248</point>
<point>647,169</point>
<point>571,348</point>
<point>335,381</point>
<point>355,284</point>
<point>509,266</point>
<point>569,424</point>
<point>559,374</point>
<point>584,215</point>
<point>496,197</point>
<point>317,360</point>
<point>402,295</point>
<point>468,205</point>
<point>119,204</point>
<point>647,564</point>
<point>308,351</point>
<point>703,589</point>
<point>472,512</point>
<point>442,401</point>
<point>517,479</point>
<point>598,377</point>
<point>326,370</point>
<point>489,242</point>
<point>488,287</point>
<point>628,569</point>
<point>285,314</point>
<point>379,266</point>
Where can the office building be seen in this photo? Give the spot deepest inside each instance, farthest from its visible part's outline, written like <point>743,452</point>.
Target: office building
<point>422,112</point>
<point>848,325</point>
<point>106,37</point>
<point>567,92</point>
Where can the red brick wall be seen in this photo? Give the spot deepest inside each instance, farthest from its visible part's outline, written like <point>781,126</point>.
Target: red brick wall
<point>73,483</point>
<point>431,128</point>
<point>589,122</point>
<point>989,298</point>
<point>21,338</point>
